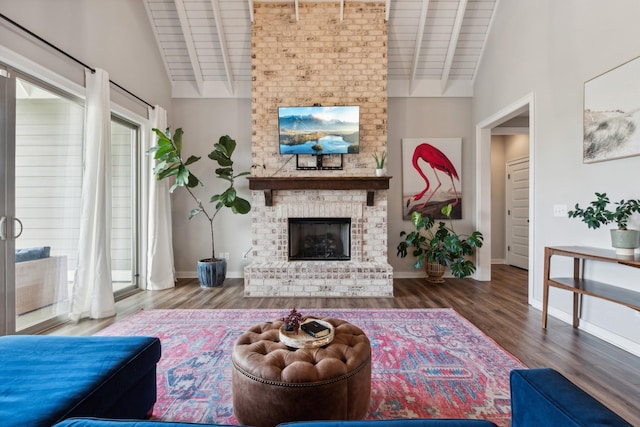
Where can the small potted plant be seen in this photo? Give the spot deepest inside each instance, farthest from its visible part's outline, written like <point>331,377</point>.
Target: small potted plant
<point>380,162</point>
<point>170,163</point>
<point>292,321</point>
<point>598,213</point>
<point>439,246</point>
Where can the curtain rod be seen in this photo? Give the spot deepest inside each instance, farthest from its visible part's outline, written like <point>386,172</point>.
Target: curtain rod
<point>73,58</point>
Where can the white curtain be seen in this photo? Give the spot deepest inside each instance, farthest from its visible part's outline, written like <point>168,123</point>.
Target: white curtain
<point>91,291</point>
<point>160,267</point>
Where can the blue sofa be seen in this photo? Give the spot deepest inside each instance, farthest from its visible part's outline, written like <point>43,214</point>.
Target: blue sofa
<point>544,397</point>
<point>46,379</point>
<point>539,397</point>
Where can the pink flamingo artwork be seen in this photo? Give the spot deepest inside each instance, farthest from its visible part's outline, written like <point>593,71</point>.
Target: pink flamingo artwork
<point>438,161</point>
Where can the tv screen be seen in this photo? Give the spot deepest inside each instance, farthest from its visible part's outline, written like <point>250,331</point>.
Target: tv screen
<point>319,130</point>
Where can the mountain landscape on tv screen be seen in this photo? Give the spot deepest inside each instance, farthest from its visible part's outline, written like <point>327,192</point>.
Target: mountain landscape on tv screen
<point>312,134</point>
<point>314,123</point>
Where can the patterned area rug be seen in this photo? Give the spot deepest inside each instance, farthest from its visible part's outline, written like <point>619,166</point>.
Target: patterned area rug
<point>427,363</point>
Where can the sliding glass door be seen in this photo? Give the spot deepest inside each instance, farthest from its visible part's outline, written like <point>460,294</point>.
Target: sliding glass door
<point>48,182</point>
<point>41,181</point>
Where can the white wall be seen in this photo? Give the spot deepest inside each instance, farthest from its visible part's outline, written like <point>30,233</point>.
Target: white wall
<point>498,218</point>
<point>204,121</point>
<point>550,49</point>
<point>114,35</point>
<point>435,118</point>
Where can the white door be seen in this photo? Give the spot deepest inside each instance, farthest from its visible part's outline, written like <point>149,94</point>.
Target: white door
<point>517,196</point>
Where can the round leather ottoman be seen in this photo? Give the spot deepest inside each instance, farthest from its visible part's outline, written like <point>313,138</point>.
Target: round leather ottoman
<point>273,383</point>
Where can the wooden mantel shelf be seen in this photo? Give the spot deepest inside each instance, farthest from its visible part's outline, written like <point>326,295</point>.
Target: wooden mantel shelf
<point>368,183</point>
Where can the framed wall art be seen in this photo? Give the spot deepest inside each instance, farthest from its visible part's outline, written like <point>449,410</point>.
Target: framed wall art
<point>431,176</point>
<point>611,120</point>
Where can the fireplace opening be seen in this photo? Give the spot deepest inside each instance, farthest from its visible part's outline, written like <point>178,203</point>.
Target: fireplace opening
<point>319,239</point>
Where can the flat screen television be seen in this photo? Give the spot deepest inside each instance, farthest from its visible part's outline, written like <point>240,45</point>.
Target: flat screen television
<point>319,130</point>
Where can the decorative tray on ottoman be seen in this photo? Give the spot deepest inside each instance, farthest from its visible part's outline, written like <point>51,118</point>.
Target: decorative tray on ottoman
<point>302,339</point>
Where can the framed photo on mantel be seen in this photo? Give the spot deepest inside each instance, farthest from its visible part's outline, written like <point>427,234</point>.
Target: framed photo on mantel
<point>611,119</point>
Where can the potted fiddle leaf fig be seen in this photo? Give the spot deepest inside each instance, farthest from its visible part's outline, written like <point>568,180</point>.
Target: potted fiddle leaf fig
<point>599,213</point>
<point>439,246</point>
<point>170,163</point>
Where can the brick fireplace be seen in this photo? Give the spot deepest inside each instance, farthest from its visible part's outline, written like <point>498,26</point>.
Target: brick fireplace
<point>327,57</point>
<point>367,273</point>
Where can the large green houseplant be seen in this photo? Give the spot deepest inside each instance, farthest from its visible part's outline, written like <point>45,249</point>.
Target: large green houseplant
<point>170,163</point>
<point>599,213</point>
<point>439,246</point>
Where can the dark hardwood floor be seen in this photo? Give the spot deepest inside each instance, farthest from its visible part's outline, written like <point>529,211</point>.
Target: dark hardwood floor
<point>499,308</point>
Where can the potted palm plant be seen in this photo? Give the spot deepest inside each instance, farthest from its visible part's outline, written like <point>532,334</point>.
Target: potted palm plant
<point>438,247</point>
<point>170,163</point>
<point>598,213</point>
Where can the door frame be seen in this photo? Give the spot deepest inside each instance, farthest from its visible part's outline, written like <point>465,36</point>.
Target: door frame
<point>483,182</point>
<point>7,204</point>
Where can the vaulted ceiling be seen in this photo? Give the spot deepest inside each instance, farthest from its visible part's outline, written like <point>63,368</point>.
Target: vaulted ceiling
<point>435,46</point>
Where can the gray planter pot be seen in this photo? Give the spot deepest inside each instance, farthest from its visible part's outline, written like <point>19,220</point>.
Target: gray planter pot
<point>625,241</point>
<point>212,272</point>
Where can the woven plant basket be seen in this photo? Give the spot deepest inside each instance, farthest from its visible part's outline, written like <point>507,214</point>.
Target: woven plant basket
<point>435,271</point>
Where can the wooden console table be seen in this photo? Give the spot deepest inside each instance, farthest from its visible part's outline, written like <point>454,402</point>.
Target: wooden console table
<point>368,183</point>
<point>581,286</point>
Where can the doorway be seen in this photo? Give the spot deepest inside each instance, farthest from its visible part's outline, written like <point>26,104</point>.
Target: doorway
<point>522,107</point>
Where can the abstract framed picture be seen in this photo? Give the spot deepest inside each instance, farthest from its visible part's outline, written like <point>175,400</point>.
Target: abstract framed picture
<point>431,176</point>
<point>611,119</point>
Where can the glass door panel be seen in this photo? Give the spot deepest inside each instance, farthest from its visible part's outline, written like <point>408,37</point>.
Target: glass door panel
<point>7,109</point>
<point>48,180</point>
<point>124,137</point>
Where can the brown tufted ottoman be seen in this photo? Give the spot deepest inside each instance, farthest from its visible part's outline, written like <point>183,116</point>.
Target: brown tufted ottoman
<point>273,383</point>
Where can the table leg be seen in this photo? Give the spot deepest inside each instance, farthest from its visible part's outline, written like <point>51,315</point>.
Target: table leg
<point>576,295</point>
<point>576,310</point>
<point>545,288</point>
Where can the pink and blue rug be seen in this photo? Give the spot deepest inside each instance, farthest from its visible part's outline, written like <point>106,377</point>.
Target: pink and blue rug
<point>426,363</point>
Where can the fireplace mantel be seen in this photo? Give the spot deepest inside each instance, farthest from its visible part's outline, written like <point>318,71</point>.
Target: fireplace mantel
<point>368,183</point>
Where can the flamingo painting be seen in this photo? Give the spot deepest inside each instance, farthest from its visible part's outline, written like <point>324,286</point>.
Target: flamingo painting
<point>427,155</point>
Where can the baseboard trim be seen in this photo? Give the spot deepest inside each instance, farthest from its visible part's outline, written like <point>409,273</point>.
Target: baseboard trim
<point>192,274</point>
<point>598,332</point>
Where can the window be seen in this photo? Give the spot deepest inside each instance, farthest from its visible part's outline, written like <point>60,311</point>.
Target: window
<point>124,148</point>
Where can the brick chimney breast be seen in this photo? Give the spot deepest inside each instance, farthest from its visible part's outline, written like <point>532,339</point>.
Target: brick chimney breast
<point>318,59</point>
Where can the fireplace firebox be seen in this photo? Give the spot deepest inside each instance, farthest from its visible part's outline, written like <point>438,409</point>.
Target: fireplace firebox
<point>319,239</point>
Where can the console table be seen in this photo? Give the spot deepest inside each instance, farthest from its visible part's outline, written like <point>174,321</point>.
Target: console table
<point>581,286</point>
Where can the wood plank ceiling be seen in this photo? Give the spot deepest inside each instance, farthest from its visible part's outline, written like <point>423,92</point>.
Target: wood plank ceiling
<point>435,46</point>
